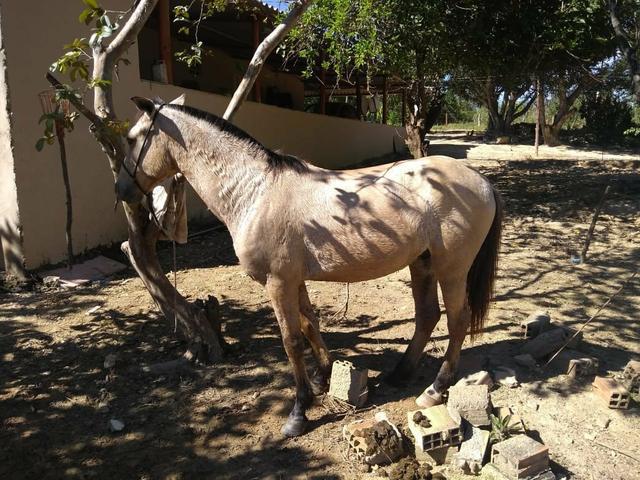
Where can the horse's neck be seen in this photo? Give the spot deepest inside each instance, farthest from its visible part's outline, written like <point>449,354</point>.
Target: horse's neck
<point>227,176</point>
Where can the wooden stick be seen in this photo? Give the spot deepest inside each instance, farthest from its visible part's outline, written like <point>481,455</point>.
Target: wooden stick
<point>592,317</point>
<point>592,227</point>
<point>619,451</point>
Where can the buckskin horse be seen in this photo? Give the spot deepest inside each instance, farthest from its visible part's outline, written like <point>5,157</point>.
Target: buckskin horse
<point>291,222</point>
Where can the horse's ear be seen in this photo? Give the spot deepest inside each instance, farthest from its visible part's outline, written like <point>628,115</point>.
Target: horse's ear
<point>144,104</point>
<point>179,101</point>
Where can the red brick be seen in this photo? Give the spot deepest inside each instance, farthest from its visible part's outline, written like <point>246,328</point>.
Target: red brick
<point>612,392</point>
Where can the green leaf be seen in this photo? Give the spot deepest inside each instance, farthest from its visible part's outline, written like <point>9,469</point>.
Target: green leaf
<point>91,4</point>
<point>40,144</point>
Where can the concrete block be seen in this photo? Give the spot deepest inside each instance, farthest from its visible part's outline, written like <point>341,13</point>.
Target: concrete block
<point>434,428</point>
<point>349,383</point>
<point>535,324</point>
<point>471,402</point>
<point>631,375</point>
<point>375,441</point>
<point>473,450</point>
<point>612,392</point>
<point>520,457</point>
<point>583,367</point>
<point>439,456</point>
<point>490,472</point>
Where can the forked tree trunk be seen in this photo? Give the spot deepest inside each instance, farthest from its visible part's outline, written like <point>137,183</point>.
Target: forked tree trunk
<point>198,322</point>
<point>629,43</point>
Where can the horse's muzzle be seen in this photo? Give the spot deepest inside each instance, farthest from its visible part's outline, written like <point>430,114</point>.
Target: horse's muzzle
<point>128,191</point>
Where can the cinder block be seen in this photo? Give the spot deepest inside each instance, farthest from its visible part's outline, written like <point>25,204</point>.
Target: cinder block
<point>535,324</point>
<point>375,441</point>
<point>612,392</point>
<point>349,383</point>
<point>471,402</point>
<point>631,375</point>
<point>583,367</point>
<point>434,428</point>
<point>520,457</point>
<point>439,456</point>
<point>473,450</point>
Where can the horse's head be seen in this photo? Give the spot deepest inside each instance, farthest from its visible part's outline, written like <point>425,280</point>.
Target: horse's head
<point>149,160</point>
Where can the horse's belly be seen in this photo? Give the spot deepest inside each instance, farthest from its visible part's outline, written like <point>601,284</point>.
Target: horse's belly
<point>360,262</point>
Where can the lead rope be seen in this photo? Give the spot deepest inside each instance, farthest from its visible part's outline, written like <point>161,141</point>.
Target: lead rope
<point>175,268</point>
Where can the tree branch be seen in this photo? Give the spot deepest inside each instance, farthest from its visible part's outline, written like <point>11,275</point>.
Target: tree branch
<point>260,56</point>
<point>130,30</point>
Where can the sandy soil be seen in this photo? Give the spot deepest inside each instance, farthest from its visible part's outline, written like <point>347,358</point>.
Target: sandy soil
<point>223,421</point>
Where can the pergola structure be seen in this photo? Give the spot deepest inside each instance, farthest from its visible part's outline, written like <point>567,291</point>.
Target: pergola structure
<point>239,31</point>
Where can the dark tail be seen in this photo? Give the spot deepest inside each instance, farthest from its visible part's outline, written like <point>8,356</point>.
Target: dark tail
<point>482,273</point>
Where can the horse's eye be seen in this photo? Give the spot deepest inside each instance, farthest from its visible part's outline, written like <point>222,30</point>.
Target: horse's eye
<point>130,141</point>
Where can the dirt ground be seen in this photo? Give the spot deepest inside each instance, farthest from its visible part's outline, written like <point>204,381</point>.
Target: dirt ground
<point>223,421</point>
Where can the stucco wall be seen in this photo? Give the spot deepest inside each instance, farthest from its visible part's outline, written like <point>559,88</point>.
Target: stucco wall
<point>325,141</point>
<point>11,256</point>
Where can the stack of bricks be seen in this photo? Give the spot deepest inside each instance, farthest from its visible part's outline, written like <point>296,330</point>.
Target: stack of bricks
<point>612,392</point>
<point>521,457</point>
<point>632,377</point>
<point>471,402</point>
<point>349,383</point>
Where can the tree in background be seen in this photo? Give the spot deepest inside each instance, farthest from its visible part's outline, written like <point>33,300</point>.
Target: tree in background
<point>625,20</point>
<point>398,38</point>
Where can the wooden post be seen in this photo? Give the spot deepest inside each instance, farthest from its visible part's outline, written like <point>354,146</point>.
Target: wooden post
<point>166,49</point>
<point>257,87</point>
<point>446,118</point>
<point>323,92</point>
<point>404,107</point>
<point>358,97</point>
<point>538,111</point>
<point>385,98</point>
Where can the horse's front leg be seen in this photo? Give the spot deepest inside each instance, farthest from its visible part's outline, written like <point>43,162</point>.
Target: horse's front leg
<point>284,296</point>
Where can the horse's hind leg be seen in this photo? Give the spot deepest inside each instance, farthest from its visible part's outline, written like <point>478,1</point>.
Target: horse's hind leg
<point>454,293</point>
<point>311,329</point>
<point>425,296</point>
<point>284,298</point>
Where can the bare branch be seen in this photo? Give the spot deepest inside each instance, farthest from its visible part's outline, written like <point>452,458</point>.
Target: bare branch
<point>131,29</point>
<point>260,56</point>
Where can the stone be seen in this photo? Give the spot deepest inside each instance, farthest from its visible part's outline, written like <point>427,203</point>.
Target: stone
<point>110,361</point>
<point>473,450</point>
<point>51,281</point>
<point>375,441</point>
<point>506,376</point>
<point>520,457</point>
<point>575,364</point>
<point>444,430</point>
<point>479,378</point>
<point>526,360</point>
<point>116,425</point>
<point>349,383</point>
<point>546,343</point>
<point>471,402</point>
<point>614,394</point>
<point>535,324</point>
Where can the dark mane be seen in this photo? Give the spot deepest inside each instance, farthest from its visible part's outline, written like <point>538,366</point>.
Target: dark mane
<point>277,162</point>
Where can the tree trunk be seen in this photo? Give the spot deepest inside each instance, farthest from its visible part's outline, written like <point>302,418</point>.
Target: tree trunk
<point>67,192</point>
<point>628,47</point>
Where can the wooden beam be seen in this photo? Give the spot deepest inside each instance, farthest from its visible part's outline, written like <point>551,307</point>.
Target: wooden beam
<point>257,86</point>
<point>323,92</point>
<point>166,48</point>
<point>385,98</point>
<point>358,97</point>
<point>404,107</point>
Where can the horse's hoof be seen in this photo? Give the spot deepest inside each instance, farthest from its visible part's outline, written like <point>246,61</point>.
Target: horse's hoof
<point>294,427</point>
<point>429,398</point>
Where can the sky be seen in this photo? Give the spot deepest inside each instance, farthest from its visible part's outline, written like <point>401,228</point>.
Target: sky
<point>279,4</point>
